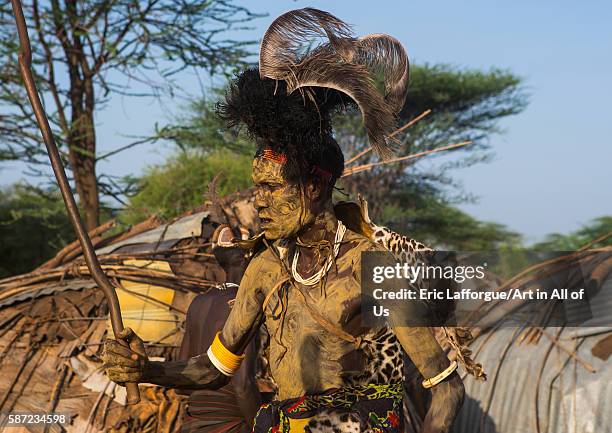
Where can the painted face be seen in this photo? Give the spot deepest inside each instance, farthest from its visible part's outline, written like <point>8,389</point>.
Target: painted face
<point>283,208</point>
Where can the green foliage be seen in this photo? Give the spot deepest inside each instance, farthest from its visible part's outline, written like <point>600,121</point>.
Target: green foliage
<point>200,128</point>
<point>182,182</point>
<point>33,227</point>
<point>514,258</point>
<point>597,228</point>
<point>465,104</point>
<point>207,148</point>
<point>444,226</point>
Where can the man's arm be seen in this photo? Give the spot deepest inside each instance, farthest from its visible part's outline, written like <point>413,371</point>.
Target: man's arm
<point>124,364</point>
<point>245,384</point>
<point>194,373</point>
<point>429,358</point>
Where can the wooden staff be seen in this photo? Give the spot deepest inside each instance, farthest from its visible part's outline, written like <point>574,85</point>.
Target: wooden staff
<point>25,61</point>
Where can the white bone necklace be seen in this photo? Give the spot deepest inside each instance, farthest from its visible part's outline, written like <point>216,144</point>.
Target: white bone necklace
<point>315,278</point>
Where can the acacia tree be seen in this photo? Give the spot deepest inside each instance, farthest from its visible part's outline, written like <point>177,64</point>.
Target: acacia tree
<point>82,51</point>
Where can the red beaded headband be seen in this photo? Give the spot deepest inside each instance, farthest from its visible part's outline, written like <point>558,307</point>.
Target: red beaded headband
<point>280,158</point>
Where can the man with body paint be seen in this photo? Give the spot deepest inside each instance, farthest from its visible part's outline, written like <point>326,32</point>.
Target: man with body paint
<point>334,373</point>
<point>232,408</point>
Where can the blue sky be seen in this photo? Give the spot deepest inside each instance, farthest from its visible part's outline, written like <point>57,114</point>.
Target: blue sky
<point>552,170</point>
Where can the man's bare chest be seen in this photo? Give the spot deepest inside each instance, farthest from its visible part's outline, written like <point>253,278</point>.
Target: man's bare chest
<point>334,308</point>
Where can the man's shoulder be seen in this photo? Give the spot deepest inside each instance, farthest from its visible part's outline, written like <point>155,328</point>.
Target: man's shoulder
<point>263,266</point>
<point>356,243</point>
<point>362,242</point>
<point>264,255</point>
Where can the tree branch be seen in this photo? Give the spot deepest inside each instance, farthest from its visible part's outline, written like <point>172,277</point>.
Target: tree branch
<point>51,70</point>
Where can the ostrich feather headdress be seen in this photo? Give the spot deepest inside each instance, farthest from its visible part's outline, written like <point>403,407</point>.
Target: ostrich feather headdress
<point>309,65</point>
<point>340,61</point>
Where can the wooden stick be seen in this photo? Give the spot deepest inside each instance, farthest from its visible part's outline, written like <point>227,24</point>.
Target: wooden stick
<point>55,393</point>
<point>95,241</point>
<point>148,224</point>
<point>516,280</point>
<point>111,397</point>
<point>412,122</point>
<point>94,408</point>
<point>359,155</point>
<point>393,134</point>
<point>32,350</point>
<point>18,334</point>
<point>93,318</point>
<point>555,341</point>
<point>127,272</point>
<point>41,274</point>
<point>75,246</point>
<point>360,168</point>
<point>25,67</point>
<point>536,399</point>
<point>596,241</point>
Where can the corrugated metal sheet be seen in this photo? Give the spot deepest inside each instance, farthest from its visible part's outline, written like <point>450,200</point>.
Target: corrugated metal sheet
<point>601,307</point>
<point>540,388</point>
<point>186,227</point>
<point>50,289</point>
